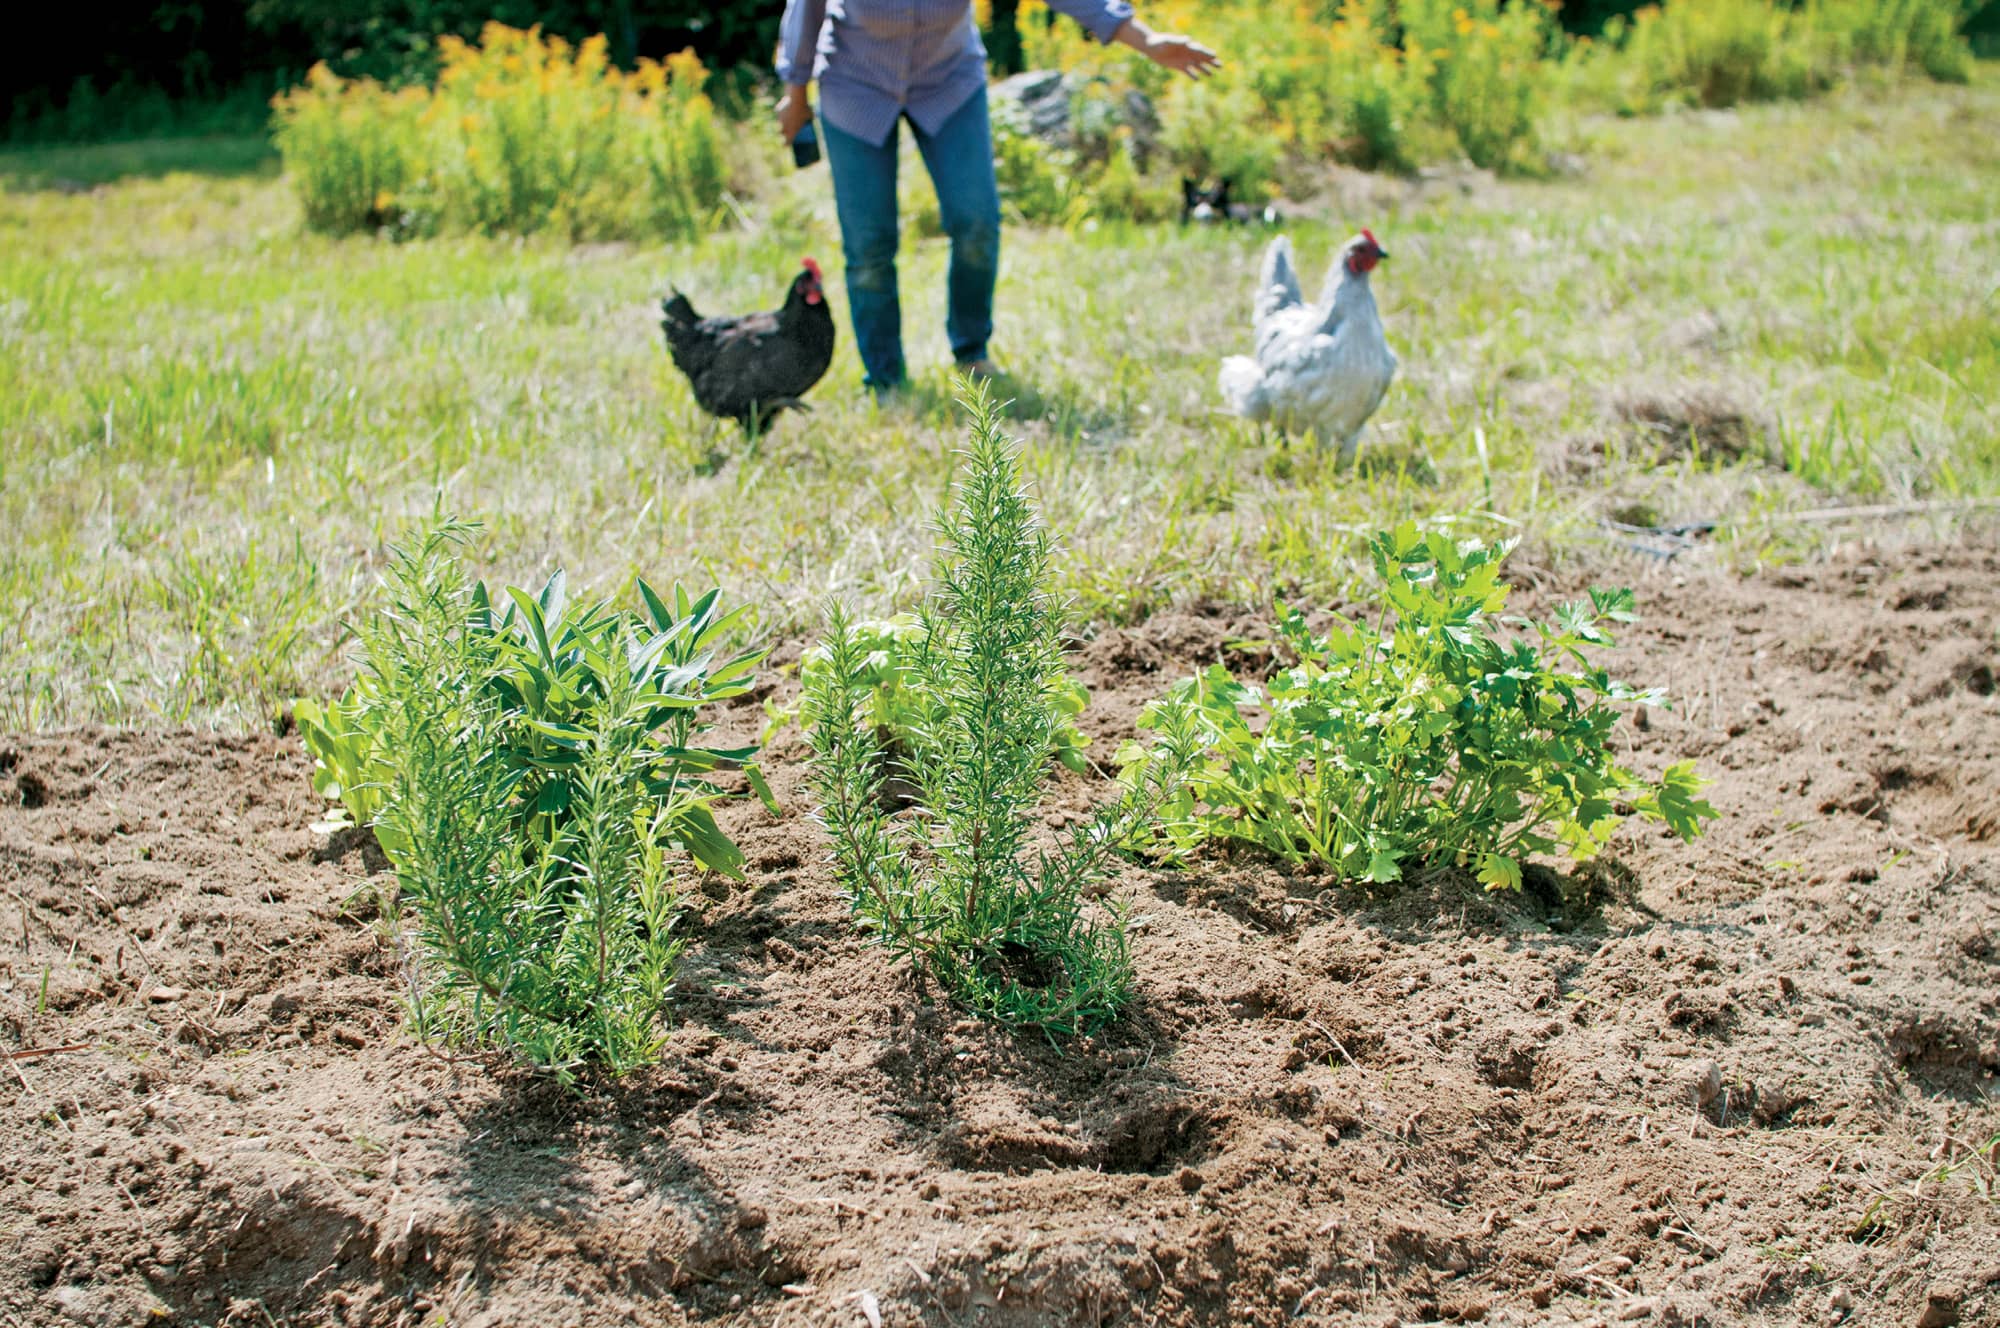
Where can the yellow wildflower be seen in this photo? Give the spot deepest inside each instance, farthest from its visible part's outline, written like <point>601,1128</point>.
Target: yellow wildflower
<point>685,68</point>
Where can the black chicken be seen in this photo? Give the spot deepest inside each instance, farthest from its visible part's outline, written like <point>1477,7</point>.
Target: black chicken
<point>749,368</point>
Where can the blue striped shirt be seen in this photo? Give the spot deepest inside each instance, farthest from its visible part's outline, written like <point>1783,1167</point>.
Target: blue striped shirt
<point>877,59</point>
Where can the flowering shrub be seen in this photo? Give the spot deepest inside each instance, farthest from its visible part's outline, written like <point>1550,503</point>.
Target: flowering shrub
<point>1898,34</point>
<point>352,148</point>
<point>520,133</point>
<point>1358,80</point>
<point>1482,70</point>
<point>1713,53</point>
<point>1404,83</point>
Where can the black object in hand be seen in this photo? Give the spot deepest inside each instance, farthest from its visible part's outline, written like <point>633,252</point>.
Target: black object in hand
<point>805,148</point>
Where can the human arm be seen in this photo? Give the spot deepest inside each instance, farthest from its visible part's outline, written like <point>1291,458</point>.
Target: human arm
<point>798,48</point>
<point>1113,21</point>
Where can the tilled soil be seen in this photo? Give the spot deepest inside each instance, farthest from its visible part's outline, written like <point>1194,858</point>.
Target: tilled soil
<point>1740,1081</point>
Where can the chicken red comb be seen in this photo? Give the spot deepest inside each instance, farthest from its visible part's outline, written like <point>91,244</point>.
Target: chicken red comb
<point>813,268</point>
<point>1369,236</point>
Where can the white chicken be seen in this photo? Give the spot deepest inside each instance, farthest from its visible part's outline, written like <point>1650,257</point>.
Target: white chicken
<point>1319,368</point>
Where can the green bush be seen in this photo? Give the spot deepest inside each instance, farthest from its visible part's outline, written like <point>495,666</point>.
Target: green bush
<point>950,885</point>
<point>1898,35</point>
<point>1717,53</point>
<point>1038,183</point>
<point>1486,62</point>
<point>521,133</point>
<point>535,778</point>
<point>1406,83</point>
<point>1721,52</point>
<point>1423,738</point>
<point>1217,129</point>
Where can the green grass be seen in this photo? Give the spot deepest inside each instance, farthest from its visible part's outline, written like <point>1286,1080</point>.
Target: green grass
<point>213,423</point>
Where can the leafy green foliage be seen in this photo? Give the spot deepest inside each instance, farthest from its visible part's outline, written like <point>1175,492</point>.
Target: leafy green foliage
<point>1038,183</point>
<point>952,885</point>
<point>895,708</point>
<point>1900,35</point>
<point>1400,84</point>
<point>534,776</point>
<point>1428,737</point>
<point>1722,52</point>
<point>348,770</point>
<point>521,133</point>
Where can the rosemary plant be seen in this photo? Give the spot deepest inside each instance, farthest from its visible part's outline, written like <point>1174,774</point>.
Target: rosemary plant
<point>956,885</point>
<point>538,784</point>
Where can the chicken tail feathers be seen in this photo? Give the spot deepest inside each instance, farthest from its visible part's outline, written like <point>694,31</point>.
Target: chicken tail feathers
<point>1242,385</point>
<point>677,309</point>
<point>1277,279</point>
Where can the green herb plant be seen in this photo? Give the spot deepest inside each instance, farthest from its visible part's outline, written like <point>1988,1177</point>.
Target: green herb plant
<point>1429,737</point>
<point>895,707</point>
<point>535,777</point>
<point>953,883</point>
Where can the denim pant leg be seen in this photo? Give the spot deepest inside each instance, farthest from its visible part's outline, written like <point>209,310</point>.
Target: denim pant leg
<point>960,159</point>
<point>864,194</point>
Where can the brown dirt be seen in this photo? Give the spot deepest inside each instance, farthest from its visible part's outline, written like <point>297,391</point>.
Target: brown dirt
<point>1673,421</point>
<point>1693,1084</point>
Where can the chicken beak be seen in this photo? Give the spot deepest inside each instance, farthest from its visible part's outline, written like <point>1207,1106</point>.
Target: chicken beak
<point>1381,254</point>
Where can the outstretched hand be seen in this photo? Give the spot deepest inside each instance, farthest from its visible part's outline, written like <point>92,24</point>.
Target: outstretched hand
<point>1169,50</point>
<point>1183,55</point>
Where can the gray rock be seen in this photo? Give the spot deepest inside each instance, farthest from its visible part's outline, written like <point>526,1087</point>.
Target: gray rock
<point>1037,104</point>
<point>1068,112</point>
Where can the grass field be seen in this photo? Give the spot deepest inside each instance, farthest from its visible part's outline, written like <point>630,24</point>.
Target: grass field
<point>214,422</point>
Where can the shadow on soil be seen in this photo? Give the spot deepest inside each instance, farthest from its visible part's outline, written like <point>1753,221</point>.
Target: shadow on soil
<point>545,1169</point>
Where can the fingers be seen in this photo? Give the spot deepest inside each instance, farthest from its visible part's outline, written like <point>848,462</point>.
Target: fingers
<point>1190,57</point>
<point>793,115</point>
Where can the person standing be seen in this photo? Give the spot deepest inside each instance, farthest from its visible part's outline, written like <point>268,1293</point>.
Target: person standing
<point>879,62</point>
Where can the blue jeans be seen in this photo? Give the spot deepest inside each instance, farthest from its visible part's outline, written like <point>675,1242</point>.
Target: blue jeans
<point>960,159</point>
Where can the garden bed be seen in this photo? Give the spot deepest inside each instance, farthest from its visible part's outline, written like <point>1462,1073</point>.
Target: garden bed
<point>1740,1080</point>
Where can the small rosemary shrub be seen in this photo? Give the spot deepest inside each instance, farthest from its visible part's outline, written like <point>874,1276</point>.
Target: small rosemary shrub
<point>953,884</point>
<point>896,707</point>
<point>535,779</point>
